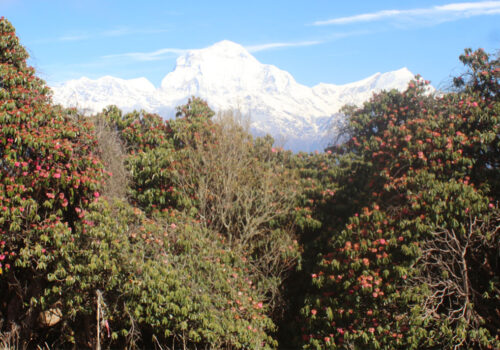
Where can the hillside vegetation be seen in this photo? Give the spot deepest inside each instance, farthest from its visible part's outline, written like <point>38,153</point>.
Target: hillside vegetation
<point>131,231</point>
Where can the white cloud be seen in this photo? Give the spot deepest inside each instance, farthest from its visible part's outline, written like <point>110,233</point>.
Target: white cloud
<point>123,31</point>
<point>263,47</point>
<point>435,14</point>
<point>167,52</point>
<point>115,32</point>
<point>148,56</point>
<point>73,37</point>
<point>130,31</point>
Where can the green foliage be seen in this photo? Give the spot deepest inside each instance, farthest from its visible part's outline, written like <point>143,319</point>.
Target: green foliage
<point>239,188</point>
<point>69,256</point>
<point>49,176</point>
<point>216,173</point>
<point>416,173</point>
<point>168,280</point>
<point>149,142</point>
<point>397,227</point>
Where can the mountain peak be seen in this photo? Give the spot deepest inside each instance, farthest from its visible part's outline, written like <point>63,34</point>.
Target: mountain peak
<point>227,46</point>
<point>229,77</point>
<point>403,70</point>
<point>212,67</point>
<point>220,51</point>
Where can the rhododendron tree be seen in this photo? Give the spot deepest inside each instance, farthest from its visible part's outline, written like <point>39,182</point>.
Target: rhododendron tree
<point>163,281</point>
<point>413,210</point>
<point>49,176</point>
<point>215,171</point>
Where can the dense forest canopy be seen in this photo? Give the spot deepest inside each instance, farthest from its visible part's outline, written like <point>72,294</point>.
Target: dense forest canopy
<point>130,231</point>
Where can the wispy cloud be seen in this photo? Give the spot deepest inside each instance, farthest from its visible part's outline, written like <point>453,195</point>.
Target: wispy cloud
<point>116,32</point>
<point>435,14</point>
<point>73,37</point>
<point>148,56</point>
<point>168,52</point>
<point>270,46</point>
<point>130,31</point>
<point>346,34</point>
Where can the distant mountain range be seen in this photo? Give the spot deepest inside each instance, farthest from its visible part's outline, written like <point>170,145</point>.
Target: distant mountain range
<point>228,77</point>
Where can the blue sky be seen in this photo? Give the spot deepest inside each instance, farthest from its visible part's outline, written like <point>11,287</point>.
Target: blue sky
<point>316,40</point>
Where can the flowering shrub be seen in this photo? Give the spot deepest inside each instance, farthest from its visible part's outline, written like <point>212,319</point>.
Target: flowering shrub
<point>219,175</point>
<point>417,173</point>
<point>49,176</point>
<point>163,279</point>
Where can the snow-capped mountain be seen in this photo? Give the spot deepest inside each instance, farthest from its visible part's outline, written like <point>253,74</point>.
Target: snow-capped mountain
<point>228,77</point>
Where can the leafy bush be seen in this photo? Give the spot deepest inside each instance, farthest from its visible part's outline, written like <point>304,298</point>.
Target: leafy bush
<point>49,176</point>
<point>241,190</point>
<point>163,281</point>
<point>218,174</point>
<point>417,172</point>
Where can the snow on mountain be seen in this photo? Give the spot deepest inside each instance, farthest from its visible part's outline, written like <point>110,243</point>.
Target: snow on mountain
<point>228,77</point>
<point>94,95</point>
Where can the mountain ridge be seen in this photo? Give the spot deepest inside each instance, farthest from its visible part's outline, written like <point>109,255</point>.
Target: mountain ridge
<point>229,77</point>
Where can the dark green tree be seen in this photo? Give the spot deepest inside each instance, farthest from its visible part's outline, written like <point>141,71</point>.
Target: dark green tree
<point>413,214</point>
